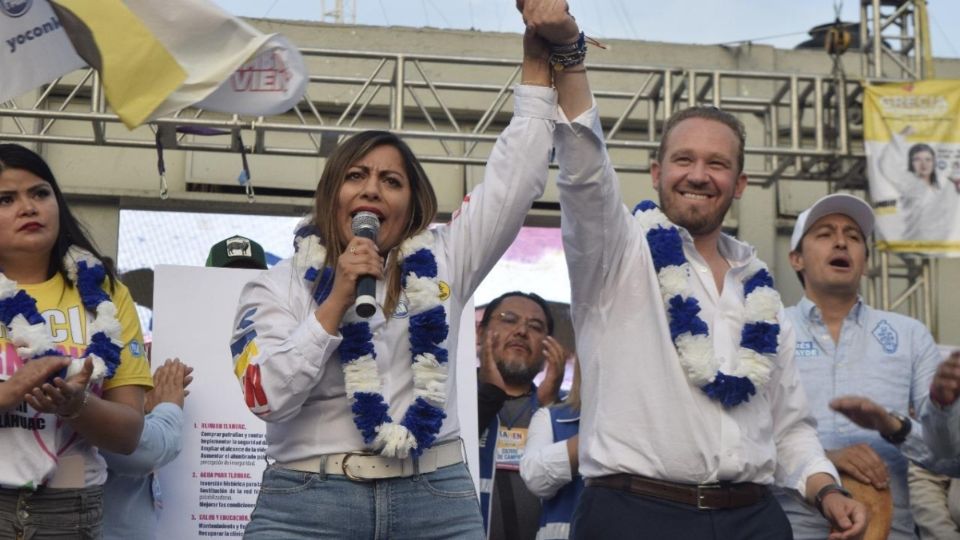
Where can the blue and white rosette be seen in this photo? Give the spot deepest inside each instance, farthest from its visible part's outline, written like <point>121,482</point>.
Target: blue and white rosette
<point>759,337</point>
<point>428,330</point>
<point>29,332</point>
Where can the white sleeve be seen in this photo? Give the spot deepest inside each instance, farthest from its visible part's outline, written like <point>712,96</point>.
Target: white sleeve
<point>490,217</point>
<point>799,452</point>
<point>277,357</point>
<point>893,164</point>
<point>595,222</point>
<point>545,466</point>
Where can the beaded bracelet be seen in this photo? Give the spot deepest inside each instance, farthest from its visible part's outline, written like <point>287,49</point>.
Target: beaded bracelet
<point>568,54</point>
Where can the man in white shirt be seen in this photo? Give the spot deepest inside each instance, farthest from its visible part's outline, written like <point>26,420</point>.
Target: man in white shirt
<point>664,455</point>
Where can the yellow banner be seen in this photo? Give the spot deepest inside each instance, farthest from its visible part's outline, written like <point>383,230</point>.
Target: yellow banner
<point>931,109</point>
<point>912,142</point>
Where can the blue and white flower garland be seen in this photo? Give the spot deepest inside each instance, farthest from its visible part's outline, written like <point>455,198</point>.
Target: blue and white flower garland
<point>29,332</point>
<point>428,330</point>
<point>759,337</point>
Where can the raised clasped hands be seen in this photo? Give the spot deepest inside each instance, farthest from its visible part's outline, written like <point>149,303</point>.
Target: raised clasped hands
<point>550,19</point>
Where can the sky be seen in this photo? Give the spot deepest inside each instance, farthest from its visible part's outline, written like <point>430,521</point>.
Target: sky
<point>780,23</point>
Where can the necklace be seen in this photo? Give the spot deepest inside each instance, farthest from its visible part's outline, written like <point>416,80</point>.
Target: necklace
<point>28,329</point>
<point>759,338</point>
<point>428,329</point>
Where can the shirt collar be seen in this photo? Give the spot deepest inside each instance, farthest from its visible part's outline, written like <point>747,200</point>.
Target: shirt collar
<point>737,253</point>
<point>812,313</point>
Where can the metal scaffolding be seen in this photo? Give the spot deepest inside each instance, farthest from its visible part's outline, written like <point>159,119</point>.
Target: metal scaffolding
<point>895,38</point>
<point>800,126</point>
<point>805,132</point>
<point>896,44</point>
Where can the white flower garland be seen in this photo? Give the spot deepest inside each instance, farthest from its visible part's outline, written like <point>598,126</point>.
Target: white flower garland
<point>428,329</point>
<point>760,333</point>
<point>29,332</point>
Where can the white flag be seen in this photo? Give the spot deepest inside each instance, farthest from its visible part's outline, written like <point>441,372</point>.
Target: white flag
<point>271,83</point>
<point>36,49</point>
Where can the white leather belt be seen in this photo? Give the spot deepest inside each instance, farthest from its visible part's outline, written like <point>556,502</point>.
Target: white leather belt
<point>366,466</point>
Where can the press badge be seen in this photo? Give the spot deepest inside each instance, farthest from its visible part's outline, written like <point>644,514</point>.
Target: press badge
<point>510,445</point>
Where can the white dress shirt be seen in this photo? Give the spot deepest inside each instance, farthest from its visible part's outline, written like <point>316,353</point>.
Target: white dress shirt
<point>545,466</point>
<point>308,413</point>
<point>639,413</point>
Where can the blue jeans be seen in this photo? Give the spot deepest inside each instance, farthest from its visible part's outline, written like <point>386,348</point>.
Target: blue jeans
<point>51,514</point>
<point>293,505</point>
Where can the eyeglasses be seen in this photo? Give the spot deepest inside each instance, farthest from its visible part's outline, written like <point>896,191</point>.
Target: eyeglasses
<point>536,326</point>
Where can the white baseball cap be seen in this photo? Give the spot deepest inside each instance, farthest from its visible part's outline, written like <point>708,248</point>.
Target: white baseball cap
<point>838,203</point>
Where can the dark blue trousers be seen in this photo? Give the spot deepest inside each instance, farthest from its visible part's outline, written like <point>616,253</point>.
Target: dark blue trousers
<point>615,514</point>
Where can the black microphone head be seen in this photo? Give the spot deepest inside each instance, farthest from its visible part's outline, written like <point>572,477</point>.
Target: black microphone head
<point>365,224</point>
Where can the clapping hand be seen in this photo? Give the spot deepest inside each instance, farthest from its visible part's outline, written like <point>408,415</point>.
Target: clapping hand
<point>556,363</point>
<point>62,397</point>
<point>170,383</point>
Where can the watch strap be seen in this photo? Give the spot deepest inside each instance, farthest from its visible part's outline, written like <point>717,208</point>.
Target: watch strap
<point>826,490</point>
<point>900,435</point>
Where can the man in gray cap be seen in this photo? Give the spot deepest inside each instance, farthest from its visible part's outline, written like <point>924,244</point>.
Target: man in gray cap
<point>870,366</point>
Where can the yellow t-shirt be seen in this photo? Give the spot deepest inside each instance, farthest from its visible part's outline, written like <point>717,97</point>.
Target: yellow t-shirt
<point>75,462</point>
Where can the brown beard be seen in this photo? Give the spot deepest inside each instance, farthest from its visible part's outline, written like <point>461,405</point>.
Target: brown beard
<point>695,223</point>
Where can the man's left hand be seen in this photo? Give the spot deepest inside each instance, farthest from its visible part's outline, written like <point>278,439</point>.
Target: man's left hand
<point>866,414</point>
<point>556,360</point>
<point>847,517</point>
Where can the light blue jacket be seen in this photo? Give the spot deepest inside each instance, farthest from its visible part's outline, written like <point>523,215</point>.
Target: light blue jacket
<point>129,506</point>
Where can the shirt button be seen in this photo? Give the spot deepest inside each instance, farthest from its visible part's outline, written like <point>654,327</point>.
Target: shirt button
<point>702,269</point>
<point>23,514</point>
<point>825,336</point>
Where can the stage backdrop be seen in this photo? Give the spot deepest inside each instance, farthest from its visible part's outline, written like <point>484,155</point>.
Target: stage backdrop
<point>912,138</point>
<point>211,488</point>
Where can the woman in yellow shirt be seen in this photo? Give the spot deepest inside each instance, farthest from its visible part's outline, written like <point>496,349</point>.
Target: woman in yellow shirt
<point>72,365</point>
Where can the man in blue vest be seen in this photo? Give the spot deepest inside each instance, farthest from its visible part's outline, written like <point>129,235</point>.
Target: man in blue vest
<point>516,340</point>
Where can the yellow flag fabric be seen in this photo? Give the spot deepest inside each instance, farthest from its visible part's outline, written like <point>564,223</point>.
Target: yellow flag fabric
<point>912,142</point>
<point>124,46</point>
<point>156,57</point>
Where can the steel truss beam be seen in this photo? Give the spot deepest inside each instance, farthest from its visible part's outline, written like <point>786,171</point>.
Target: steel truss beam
<point>797,123</point>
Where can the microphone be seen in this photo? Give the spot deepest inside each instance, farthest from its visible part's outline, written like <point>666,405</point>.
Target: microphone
<point>366,225</point>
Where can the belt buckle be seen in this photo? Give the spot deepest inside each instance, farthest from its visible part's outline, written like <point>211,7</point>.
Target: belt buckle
<point>346,471</point>
<point>701,489</point>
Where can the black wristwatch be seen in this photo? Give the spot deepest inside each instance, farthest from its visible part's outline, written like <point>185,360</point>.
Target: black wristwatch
<point>827,489</point>
<point>901,434</point>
